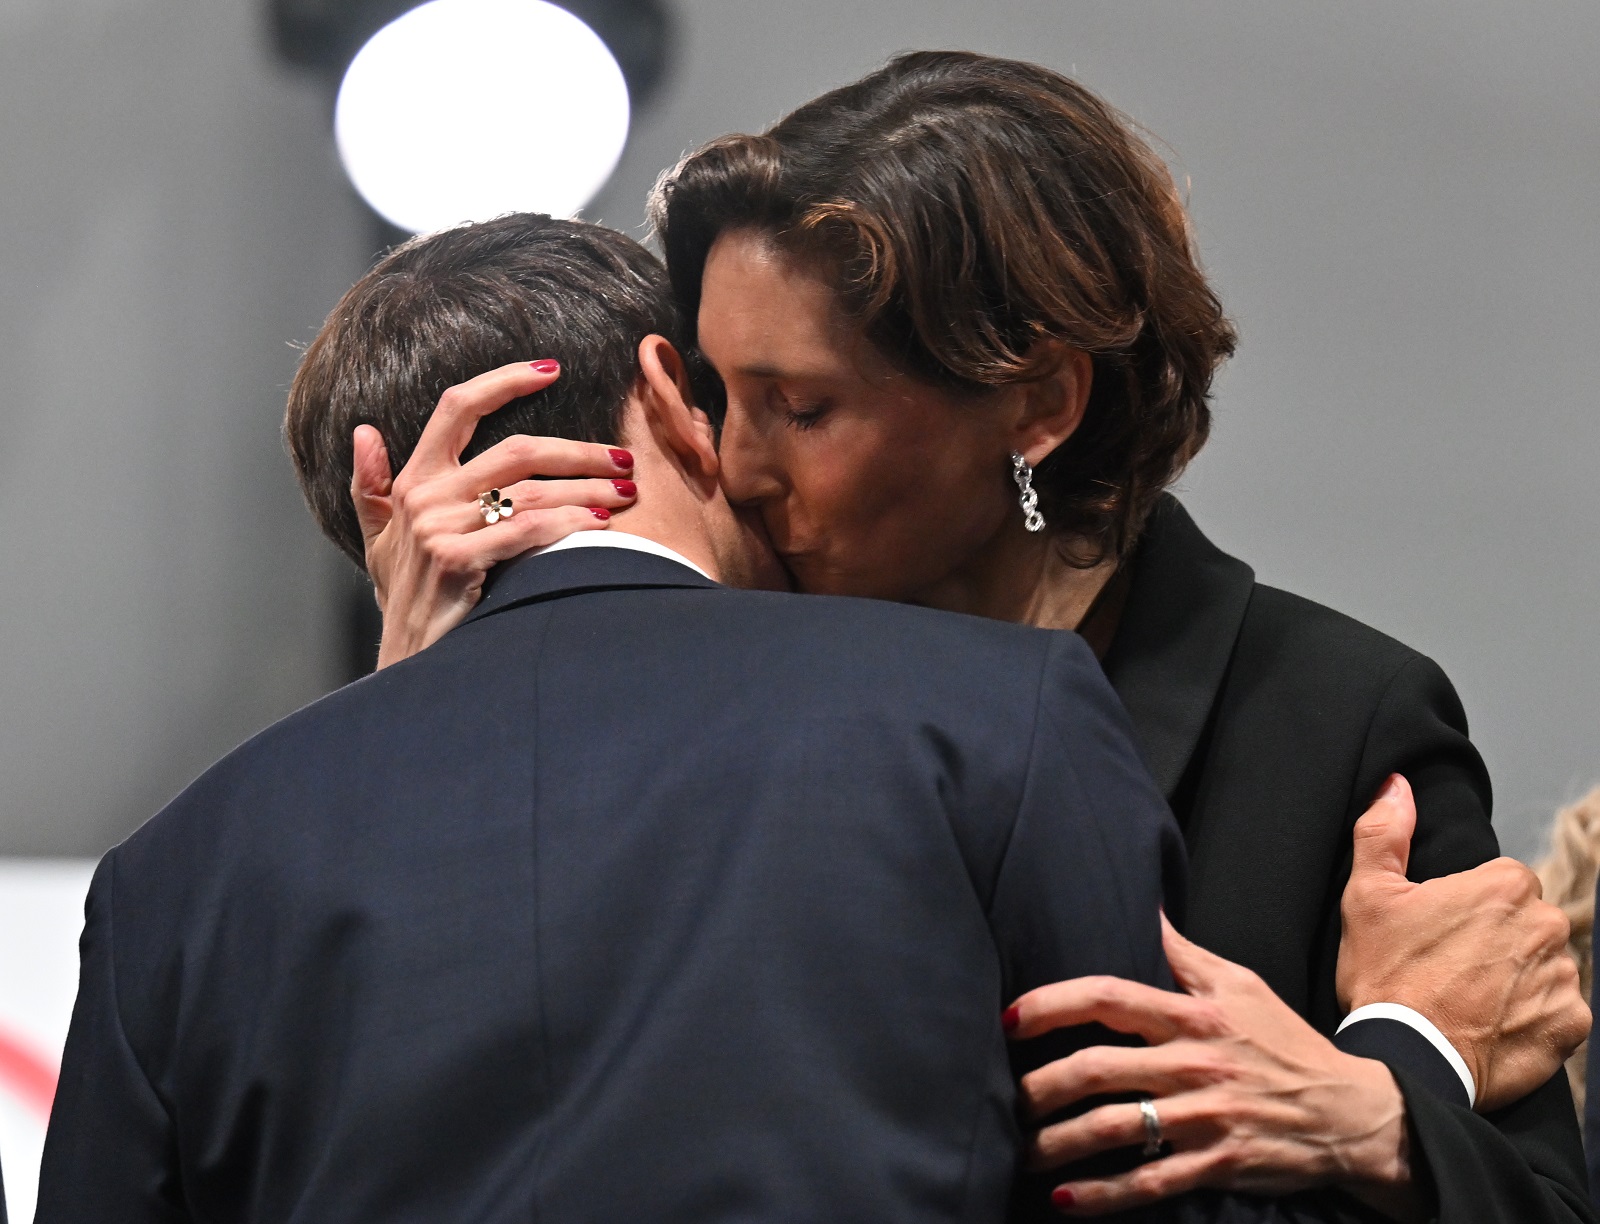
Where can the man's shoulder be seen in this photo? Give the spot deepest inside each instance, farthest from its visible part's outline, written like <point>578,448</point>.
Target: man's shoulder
<point>818,616</point>
<point>855,642</point>
<point>260,788</point>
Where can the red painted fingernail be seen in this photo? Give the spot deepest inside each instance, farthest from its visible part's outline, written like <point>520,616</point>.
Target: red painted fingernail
<point>1062,1196</point>
<point>1010,1018</point>
<point>547,366</point>
<point>622,459</point>
<point>599,513</point>
<point>625,488</point>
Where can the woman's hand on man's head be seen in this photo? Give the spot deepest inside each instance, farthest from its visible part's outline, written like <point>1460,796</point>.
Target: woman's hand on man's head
<point>429,545</point>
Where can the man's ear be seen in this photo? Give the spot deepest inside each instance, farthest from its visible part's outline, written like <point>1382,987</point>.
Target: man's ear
<point>684,431</point>
<point>1051,408</point>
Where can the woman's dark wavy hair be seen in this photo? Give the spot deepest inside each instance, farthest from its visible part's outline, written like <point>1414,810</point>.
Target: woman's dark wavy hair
<point>970,210</point>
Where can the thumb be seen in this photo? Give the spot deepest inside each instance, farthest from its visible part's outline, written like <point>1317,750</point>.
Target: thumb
<point>371,482</point>
<point>1193,967</point>
<point>1383,834</point>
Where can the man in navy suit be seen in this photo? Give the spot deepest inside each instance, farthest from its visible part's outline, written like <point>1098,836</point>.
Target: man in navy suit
<point>636,897</point>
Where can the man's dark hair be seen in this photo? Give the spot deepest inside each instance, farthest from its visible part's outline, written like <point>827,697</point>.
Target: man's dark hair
<point>966,209</point>
<point>446,307</point>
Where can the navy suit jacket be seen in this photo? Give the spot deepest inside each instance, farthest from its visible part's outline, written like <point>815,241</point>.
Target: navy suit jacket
<point>634,898</point>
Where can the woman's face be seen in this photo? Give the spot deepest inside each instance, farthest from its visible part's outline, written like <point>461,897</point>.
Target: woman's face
<point>869,482</point>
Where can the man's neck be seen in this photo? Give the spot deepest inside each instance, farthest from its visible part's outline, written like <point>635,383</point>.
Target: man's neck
<point>689,541</point>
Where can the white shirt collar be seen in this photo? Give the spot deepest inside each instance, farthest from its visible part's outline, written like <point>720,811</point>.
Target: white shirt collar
<point>613,538</point>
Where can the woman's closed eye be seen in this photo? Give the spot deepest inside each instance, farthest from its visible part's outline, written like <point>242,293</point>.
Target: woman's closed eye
<point>805,415</point>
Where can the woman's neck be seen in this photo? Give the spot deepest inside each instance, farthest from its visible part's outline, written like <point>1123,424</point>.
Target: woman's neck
<point>1022,578</point>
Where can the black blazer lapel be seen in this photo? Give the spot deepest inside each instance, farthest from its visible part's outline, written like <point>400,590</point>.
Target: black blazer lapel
<point>1186,603</point>
<point>531,578</point>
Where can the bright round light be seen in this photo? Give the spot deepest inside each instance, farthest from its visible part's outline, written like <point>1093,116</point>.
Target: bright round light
<point>465,109</point>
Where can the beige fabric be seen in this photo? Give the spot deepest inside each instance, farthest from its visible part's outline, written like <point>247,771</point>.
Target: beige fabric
<point>1568,875</point>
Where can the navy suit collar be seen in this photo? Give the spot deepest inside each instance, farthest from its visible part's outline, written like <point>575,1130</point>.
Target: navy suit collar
<point>534,577</point>
<point>1172,648</point>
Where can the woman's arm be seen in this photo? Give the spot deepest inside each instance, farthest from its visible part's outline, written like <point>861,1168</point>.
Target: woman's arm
<point>1249,1096</point>
<point>428,546</point>
<point>1246,1096</point>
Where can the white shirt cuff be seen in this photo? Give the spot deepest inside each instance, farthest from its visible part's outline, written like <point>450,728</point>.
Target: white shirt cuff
<point>1421,1023</point>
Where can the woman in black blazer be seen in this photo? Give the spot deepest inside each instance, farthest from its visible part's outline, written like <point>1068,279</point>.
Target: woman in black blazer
<point>963,344</point>
<point>1269,722</point>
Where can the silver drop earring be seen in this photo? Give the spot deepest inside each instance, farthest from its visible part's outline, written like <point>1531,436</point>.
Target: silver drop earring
<point>1022,473</point>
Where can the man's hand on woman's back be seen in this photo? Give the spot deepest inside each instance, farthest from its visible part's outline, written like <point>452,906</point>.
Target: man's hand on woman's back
<point>1478,953</point>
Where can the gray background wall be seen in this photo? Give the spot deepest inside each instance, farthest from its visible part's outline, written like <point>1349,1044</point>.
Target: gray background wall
<point>172,217</point>
<point>1396,202</point>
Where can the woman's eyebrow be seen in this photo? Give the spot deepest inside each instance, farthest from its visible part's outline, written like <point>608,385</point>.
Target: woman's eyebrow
<point>778,374</point>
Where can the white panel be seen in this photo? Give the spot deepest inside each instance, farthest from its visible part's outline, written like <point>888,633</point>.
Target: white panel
<point>41,917</point>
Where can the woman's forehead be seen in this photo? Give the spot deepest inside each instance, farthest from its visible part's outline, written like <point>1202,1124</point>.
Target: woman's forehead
<point>766,314</point>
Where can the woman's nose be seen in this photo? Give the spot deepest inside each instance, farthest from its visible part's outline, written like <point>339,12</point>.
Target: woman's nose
<point>751,473</point>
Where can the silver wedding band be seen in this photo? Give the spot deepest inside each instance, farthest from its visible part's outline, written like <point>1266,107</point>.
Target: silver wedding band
<point>1152,1127</point>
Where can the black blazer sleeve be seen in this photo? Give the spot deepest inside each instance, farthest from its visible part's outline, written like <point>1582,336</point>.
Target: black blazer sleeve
<point>1525,1162</point>
<point>1400,1045</point>
<point>110,1151</point>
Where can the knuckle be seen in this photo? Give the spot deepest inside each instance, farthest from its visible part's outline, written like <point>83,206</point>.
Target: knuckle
<point>1102,990</point>
<point>532,497</point>
<point>1151,1181</point>
<point>458,556</point>
<point>431,536</point>
<point>1550,928</point>
<point>1205,1018</point>
<point>409,493</point>
<point>1226,1106</point>
<point>1579,1024</point>
<point>1212,1066</point>
<point>1561,926</point>
<point>443,555</point>
<point>1244,978</point>
<point>1102,1127</point>
<point>1229,1160</point>
<point>1089,1068</point>
<point>1517,879</point>
<point>521,448</point>
<point>1036,1087</point>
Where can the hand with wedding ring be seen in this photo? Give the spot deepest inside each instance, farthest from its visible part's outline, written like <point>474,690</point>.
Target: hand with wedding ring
<point>1245,1095</point>
<point>432,535</point>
